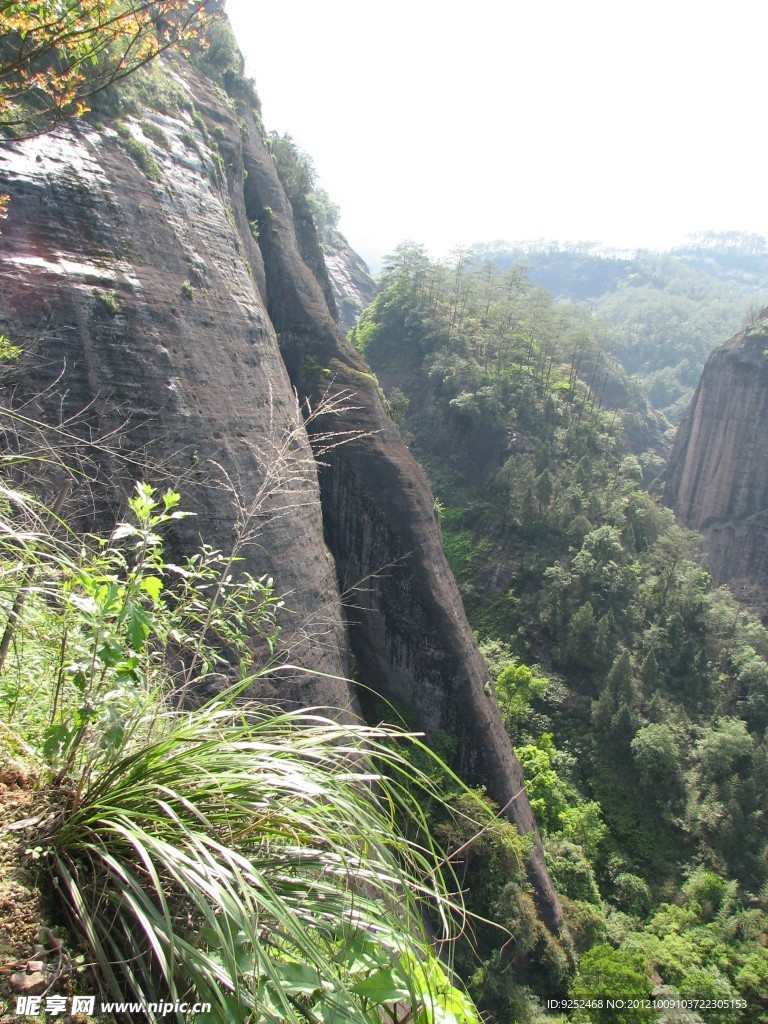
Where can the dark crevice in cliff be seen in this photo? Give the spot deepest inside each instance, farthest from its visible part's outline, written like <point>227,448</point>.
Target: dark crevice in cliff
<point>407,628</point>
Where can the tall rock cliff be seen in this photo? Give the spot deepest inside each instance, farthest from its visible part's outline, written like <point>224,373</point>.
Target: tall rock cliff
<point>717,475</point>
<point>157,273</point>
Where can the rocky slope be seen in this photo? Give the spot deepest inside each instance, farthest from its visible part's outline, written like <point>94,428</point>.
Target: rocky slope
<point>161,287</point>
<point>717,476</point>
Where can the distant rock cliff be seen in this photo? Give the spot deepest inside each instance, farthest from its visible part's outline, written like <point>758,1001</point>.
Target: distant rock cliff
<point>717,476</point>
<point>159,270</point>
<point>353,286</point>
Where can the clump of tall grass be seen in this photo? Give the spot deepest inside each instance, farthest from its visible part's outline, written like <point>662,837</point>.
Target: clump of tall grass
<point>256,863</point>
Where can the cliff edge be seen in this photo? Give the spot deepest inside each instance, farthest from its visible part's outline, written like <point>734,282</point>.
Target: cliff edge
<point>717,475</point>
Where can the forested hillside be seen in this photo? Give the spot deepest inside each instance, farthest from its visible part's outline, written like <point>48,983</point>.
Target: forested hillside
<point>635,693</point>
<point>662,313</point>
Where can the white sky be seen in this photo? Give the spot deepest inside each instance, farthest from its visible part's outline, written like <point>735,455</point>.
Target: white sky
<point>625,123</point>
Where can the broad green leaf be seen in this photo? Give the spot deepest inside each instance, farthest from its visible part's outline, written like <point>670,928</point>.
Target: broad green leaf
<point>79,680</point>
<point>56,739</point>
<point>383,987</point>
<point>450,1007</point>
<point>84,604</point>
<point>298,979</point>
<point>137,626</point>
<point>338,1015</point>
<point>124,530</point>
<point>237,1013</point>
<point>359,954</point>
<point>113,736</point>
<point>111,654</point>
<point>153,586</point>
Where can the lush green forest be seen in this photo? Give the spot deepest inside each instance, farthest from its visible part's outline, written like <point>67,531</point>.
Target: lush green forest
<point>635,693</point>
<point>661,313</point>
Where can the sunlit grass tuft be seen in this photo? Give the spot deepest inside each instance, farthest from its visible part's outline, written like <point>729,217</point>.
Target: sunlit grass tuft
<point>257,858</point>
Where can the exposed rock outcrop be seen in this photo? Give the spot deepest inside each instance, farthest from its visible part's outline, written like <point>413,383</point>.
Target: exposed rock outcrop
<point>717,476</point>
<point>135,268</point>
<point>353,286</point>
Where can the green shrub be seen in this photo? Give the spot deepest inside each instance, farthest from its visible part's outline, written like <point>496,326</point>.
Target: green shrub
<point>141,154</point>
<point>109,302</point>
<point>571,871</point>
<point>632,894</point>
<point>8,351</point>
<point>156,134</point>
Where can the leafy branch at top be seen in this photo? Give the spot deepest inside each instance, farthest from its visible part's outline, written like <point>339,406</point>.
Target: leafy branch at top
<point>55,54</point>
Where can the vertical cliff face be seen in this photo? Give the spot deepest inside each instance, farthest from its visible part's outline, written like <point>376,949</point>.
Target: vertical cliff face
<point>129,270</point>
<point>717,475</point>
<point>165,278</point>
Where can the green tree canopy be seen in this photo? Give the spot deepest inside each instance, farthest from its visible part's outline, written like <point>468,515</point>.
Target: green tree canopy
<point>607,974</point>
